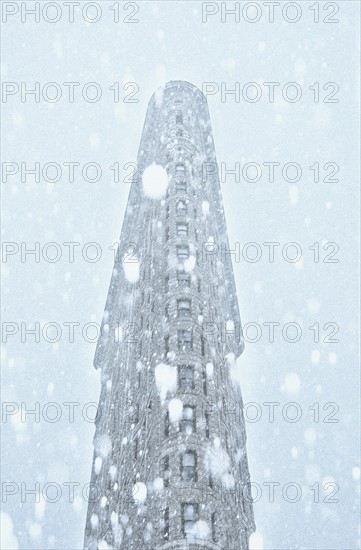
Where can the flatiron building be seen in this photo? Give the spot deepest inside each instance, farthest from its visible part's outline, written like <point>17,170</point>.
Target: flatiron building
<point>170,465</point>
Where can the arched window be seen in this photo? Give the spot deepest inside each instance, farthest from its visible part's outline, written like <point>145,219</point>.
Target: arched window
<point>181,207</point>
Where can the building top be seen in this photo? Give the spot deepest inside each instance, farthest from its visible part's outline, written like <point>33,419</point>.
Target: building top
<point>185,93</point>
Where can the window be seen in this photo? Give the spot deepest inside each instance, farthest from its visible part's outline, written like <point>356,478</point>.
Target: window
<point>166,345</point>
<point>166,424</point>
<point>190,516</point>
<point>133,413</point>
<point>166,313</point>
<point>203,346</point>
<point>166,471</point>
<point>182,208</point>
<point>186,377</point>
<point>189,466</point>
<point>185,340</point>
<point>180,170</point>
<point>183,309</point>
<point>181,186</point>
<point>188,422</point>
<point>206,424</point>
<point>182,253</point>
<point>182,229</point>
<point>214,524</point>
<point>166,524</point>
<point>179,118</point>
<point>204,379</point>
<point>183,279</point>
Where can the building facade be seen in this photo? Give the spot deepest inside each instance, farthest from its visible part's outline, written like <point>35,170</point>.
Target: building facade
<point>170,465</point>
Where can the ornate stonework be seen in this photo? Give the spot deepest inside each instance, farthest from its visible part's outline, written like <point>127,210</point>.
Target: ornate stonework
<point>170,464</point>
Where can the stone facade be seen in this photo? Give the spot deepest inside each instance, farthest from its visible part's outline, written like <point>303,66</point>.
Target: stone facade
<point>170,465</point>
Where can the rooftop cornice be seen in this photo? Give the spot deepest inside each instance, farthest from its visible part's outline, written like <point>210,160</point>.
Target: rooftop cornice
<point>177,84</point>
